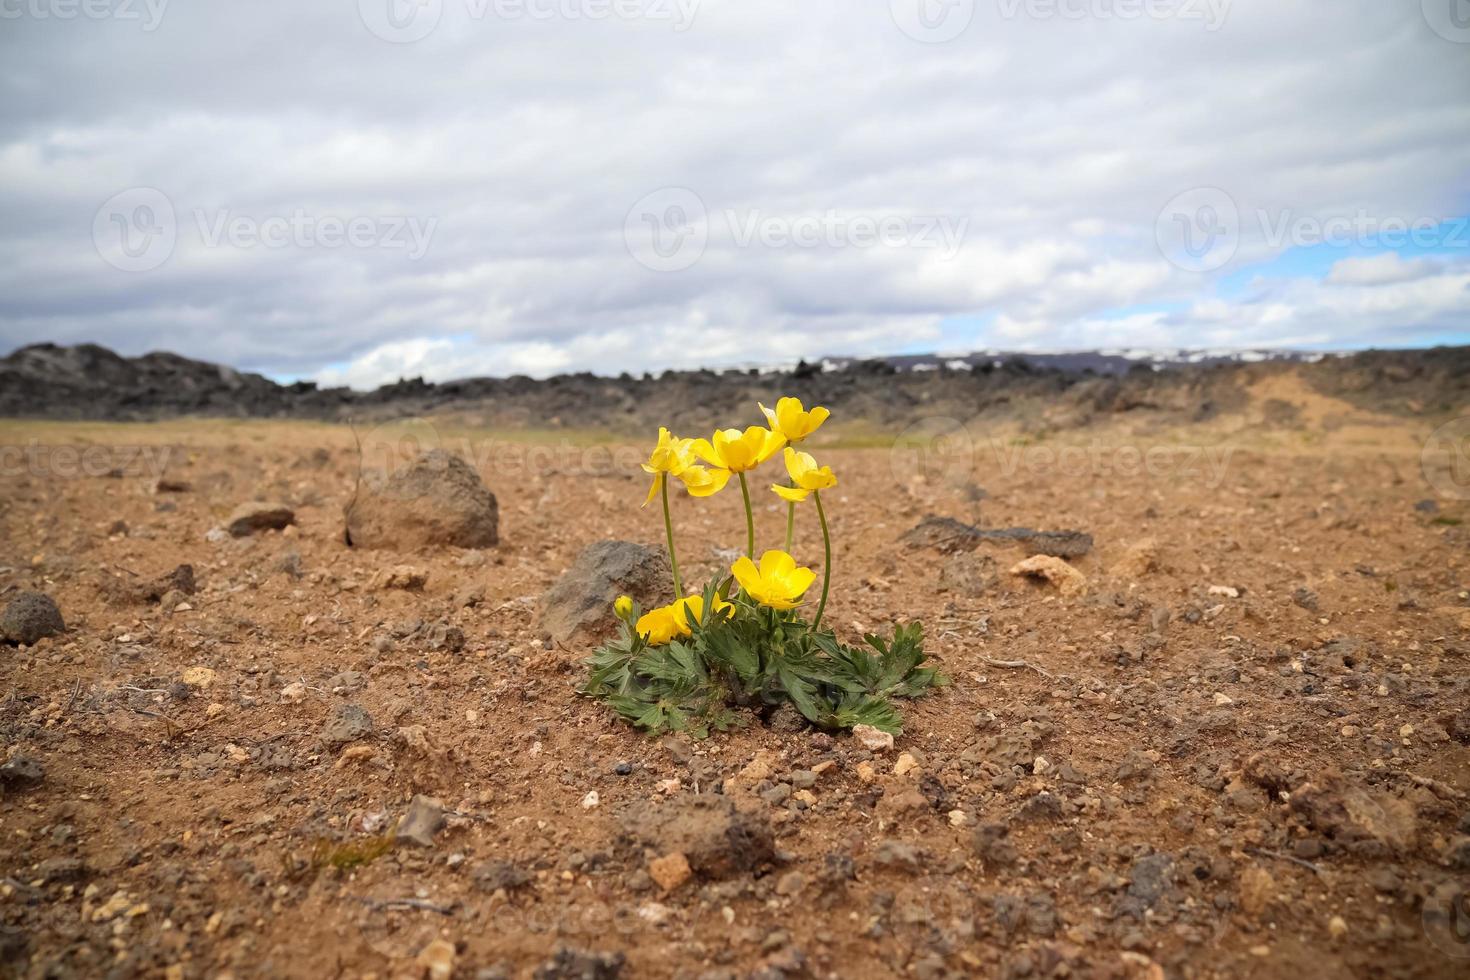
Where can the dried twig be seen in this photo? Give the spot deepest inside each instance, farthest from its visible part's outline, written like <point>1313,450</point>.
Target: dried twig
<point>1262,852</point>
<point>1018,664</point>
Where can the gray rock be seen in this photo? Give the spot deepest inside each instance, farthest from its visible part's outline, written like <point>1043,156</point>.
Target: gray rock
<point>967,574</point>
<point>948,535</point>
<point>718,839</point>
<point>493,876</point>
<point>347,724</point>
<point>423,820</point>
<point>249,518</point>
<point>21,771</point>
<point>791,883</point>
<point>29,617</point>
<point>575,964</point>
<point>436,500</point>
<point>1149,880</point>
<point>898,855</point>
<point>581,600</point>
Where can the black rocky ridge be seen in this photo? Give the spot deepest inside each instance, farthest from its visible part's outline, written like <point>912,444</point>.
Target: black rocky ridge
<point>1039,390</point>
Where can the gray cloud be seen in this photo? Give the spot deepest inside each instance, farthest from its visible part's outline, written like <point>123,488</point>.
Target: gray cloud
<point>524,142</point>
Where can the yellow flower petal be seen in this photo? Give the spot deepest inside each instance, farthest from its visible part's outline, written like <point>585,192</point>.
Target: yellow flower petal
<point>794,494</point>
<point>799,580</point>
<point>745,573</point>
<point>776,564</point>
<point>703,482</point>
<point>658,479</point>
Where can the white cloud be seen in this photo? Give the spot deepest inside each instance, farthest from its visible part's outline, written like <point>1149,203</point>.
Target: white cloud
<point>1378,270</point>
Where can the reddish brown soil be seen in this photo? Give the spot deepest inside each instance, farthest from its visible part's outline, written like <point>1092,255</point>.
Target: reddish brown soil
<point>1252,787</point>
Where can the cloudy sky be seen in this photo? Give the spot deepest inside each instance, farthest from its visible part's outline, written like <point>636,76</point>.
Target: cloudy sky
<point>356,190</point>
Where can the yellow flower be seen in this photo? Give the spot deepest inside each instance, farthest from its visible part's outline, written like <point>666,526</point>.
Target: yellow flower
<point>623,606</point>
<point>805,477</point>
<point>692,607</point>
<point>703,481</point>
<point>669,458</point>
<point>778,582</point>
<point>657,626</point>
<point>738,451</point>
<point>792,420</point>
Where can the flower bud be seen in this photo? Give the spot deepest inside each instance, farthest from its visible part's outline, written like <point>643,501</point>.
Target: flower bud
<point>623,606</point>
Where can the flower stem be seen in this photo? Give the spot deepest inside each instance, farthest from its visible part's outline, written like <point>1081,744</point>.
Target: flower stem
<point>826,560</point>
<point>790,522</point>
<point>663,480</point>
<point>749,519</point>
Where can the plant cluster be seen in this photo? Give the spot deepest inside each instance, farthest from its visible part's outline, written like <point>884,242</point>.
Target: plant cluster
<point>741,643</point>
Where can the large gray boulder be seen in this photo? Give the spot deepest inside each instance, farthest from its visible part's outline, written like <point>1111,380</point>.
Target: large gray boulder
<point>581,600</point>
<point>438,499</point>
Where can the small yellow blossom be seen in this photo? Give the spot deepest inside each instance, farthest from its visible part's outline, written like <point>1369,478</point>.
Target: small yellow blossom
<point>737,451</point>
<point>623,606</point>
<point>777,583</point>
<point>670,457</point>
<point>692,607</point>
<point>657,626</point>
<point>805,477</point>
<point>792,421</point>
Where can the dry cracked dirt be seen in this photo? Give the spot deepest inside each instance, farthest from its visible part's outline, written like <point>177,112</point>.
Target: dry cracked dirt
<point>1236,742</point>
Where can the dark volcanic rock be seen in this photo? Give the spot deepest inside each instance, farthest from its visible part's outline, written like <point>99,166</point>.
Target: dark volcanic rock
<point>21,771</point>
<point>30,616</point>
<point>948,534</point>
<point>438,499</point>
<point>255,516</point>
